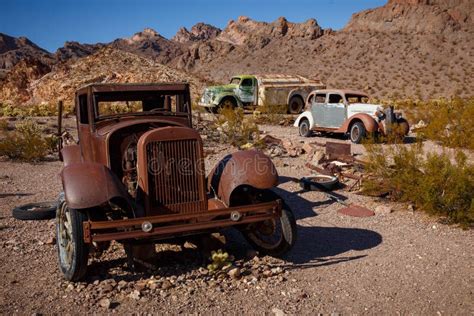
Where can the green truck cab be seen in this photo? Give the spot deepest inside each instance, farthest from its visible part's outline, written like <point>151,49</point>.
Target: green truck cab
<point>261,90</point>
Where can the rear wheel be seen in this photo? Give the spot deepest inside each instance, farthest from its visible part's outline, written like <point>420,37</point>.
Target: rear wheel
<point>72,250</point>
<point>296,105</point>
<point>272,237</point>
<point>357,132</point>
<point>304,128</point>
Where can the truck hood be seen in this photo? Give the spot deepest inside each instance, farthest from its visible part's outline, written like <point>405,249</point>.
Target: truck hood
<point>222,88</point>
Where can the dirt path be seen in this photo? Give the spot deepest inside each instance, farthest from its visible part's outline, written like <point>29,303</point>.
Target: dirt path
<point>401,262</point>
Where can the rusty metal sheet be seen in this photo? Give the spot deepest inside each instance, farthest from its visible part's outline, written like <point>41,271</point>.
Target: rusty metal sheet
<point>335,150</point>
<point>356,211</point>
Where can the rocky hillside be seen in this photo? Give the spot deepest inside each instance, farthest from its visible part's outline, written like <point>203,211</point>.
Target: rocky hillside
<point>406,48</point>
<point>106,65</point>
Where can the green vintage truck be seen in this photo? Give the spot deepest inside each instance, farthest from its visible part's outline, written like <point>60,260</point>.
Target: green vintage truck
<point>261,90</point>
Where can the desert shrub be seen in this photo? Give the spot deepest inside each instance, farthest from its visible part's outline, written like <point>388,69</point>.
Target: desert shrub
<point>44,109</point>
<point>237,129</point>
<point>449,122</point>
<point>273,114</point>
<point>3,125</point>
<point>26,143</point>
<point>432,182</point>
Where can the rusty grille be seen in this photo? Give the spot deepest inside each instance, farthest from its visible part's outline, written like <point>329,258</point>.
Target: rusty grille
<point>174,177</point>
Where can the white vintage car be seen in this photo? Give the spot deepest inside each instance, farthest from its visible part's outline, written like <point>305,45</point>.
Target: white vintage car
<point>348,112</point>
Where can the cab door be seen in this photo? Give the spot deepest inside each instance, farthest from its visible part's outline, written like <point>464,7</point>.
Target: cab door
<point>246,91</point>
<point>317,109</point>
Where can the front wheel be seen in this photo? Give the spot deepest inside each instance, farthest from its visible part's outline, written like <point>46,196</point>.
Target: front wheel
<point>72,250</point>
<point>272,237</point>
<point>304,129</point>
<point>357,132</point>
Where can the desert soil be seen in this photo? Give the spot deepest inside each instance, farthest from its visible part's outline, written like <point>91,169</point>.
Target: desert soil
<point>399,262</point>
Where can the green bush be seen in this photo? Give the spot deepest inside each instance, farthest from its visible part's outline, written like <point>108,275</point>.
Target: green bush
<point>432,182</point>
<point>237,129</point>
<point>26,143</point>
<point>45,109</point>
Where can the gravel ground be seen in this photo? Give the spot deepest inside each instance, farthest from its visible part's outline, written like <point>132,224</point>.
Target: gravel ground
<point>401,262</point>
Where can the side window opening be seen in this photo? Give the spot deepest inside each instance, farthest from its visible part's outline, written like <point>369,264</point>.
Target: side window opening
<point>335,98</point>
<point>320,98</point>
<point>247,82</point>
<point>83,113</point>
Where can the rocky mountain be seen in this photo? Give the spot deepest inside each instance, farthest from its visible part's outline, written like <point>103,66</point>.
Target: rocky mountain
<point>15,49</point>
<point>416,16</point>
<point>150,44</point>
<point>199,33</point>
<point>106,65</point>
<point>74,50</point>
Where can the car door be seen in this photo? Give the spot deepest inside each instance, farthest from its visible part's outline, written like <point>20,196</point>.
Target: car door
<point>317,109</point>
<point>246,91</point>
<point>334,111</point>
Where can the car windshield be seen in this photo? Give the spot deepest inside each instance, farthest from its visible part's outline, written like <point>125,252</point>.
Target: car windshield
<point>357,98</point>
<point>235,80</point>
<point>143,102</point>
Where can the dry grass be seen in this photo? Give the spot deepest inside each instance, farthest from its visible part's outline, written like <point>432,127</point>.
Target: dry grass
<point>237,129</point>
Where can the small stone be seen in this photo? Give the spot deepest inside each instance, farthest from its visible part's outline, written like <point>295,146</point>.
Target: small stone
<point>51,241</point>
<point>166,285</point>
<point>277,312</point>
<point>234,273</point>
<point>203,271</point>
<point>383,210</point>
<point>105,303</point>
<point>277,270</point>
<point>70,287</point>
<point>135,295</point>
<point>141,285</point>
<point>122,284</point>
<point>267,273</point>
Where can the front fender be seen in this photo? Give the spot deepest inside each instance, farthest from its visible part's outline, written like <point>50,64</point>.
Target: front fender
<point>369,122</point>
<point>89,184</point>
<point>250,167</point>
<point>307,115</point>
<point>227,94</point>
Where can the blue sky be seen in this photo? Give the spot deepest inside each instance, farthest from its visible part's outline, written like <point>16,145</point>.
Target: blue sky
<point>49,23</point>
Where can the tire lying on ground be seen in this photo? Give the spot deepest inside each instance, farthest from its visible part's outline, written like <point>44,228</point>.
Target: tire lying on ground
<point>35,211</point>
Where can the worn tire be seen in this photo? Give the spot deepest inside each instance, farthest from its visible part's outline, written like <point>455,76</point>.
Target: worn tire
<point>72,264</point>
<point>288,230</point>
<point>357,132</point>
<point>296,104</point>
<point>228,102</point>
<point>35,211</point>
<point>303,128</point>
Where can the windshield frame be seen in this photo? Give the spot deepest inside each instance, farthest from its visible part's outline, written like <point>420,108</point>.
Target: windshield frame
<point>120,97</point>
<point>235,78</point>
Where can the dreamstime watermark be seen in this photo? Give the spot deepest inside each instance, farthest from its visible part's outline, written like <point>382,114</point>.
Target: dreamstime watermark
<point>257,165</point>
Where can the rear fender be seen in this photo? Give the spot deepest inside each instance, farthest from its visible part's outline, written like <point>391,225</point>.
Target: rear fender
<point>88,185</point>
<point>369,123</point>
<point>249,168</point>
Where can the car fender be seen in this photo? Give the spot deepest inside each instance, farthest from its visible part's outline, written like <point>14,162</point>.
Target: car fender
<point>369,123</point>
<point>249,167</point>
<point>88,184</point>
<point>306,115</point>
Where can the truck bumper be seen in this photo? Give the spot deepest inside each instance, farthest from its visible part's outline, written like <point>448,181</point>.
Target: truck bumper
<point>166,226</point>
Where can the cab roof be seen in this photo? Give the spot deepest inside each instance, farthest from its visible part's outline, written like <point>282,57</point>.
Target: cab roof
<point>342,91</point>
<point>119,87</point>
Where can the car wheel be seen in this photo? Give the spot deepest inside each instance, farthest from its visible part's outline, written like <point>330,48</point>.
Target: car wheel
<point>296,105</point>
<point>35,211</point>
<point>272,237</point>
<point>73,252</point>
<point>357,132</point>
<point>228,103</point>
<point>304,128</point>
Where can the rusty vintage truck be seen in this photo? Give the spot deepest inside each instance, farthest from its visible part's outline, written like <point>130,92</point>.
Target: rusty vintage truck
<point>274,91</point>
<point>137,176</point>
